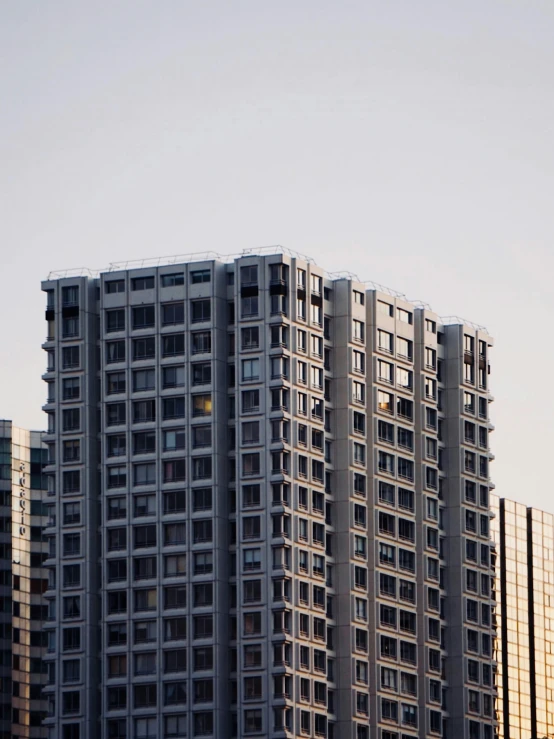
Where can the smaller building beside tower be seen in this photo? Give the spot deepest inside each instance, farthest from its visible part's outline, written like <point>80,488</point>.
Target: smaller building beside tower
<point>22,582</point>
<point>525,619</point>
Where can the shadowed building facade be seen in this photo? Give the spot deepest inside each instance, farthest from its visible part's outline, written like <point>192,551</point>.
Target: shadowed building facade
<point>270,506</point>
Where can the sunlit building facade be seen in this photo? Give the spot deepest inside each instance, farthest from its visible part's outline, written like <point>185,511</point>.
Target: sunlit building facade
<point>22,459</point>
<point>525,613</point>
<point>269,492</point>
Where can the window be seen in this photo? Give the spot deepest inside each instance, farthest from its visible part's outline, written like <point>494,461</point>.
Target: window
<point>70,357</point>
<point>174,565</point>
<point>278,304</point>
<point>71,639</point>
<point>358,330</point>
<point>144,411</point>
<point>203,594</point>
<point>115,383</point>
<point>175,533</point>
<point>71,481</point>
<point>143,316</point>
<point>173,407</point>
<point>385,341</point>
<point>430,388</point>
<point>174,501</point>
<point>430,358</point>
<point>249,306</point>
<point>144,505</point>
<point>115,320</point>
<point>72,576</point>
<point>175,596</point>
<point>404,348</point>
<point>72,450</point>
<point>175,693</point>
<point>389,710</point>
<point>114,286</point>
<point>144,536</point>
<point>71,513</point>
<point>406,591</point>
<point>201,468</point>
<point>142,348</point>
<point>359,453</point>
<point>173,440</point>
<point>201,342</point>
<point>251,527</point>
<point>202,531</point>
<point>176,661</point>
<point>173,345</point>
<point>386,492</point>
<point>405,468</point>
<point>71,388</point>
<point>358,361</point>
<point>404,316</point>
<point>250,370</point>
<point>145,600</point>
<point>405,438</point>
<point>171,280</point>
<point>144,474</point>
<point>404,378</point>
<point>142,283</point>
<point>249,275</point>
<point>173,314</point>
<point>358,392</point>
<point>389,679</point>
<point>203,723</point>
<point>252,589</point>
<point>200,310</point>
<point>145,696</point>
<point>71,544</point>
<point>431,418</point>
<point>144,442</point>
<point>201,437</point>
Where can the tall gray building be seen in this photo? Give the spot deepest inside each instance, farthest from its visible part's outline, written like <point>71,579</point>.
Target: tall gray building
<point>271,499</point>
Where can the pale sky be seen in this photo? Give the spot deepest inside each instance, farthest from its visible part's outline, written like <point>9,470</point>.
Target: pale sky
<point>408,142</point>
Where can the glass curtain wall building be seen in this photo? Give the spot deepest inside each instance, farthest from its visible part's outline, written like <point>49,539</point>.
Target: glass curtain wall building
<point>23,581</point>
<point>269,494</point>
<point>525,612</point>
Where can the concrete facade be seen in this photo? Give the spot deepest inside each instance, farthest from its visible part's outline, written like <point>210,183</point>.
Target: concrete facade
<point>271,487</point>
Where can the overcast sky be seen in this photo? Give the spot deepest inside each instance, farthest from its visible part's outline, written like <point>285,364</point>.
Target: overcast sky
<point>408,142</point>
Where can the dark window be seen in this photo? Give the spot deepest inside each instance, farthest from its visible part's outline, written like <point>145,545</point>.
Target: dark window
<point>173,279</point>
<point>70,357</point>
<point>115,320</point>
<point>173,345</point>
<point>115,383</point>
<point>173,408</point>
<point>142,283</point>
<point>200,275</point>
<point>143,316</point>
<point>201,373</point>
<point>173,314</point>
<point>200,310</point>
<point>201,342</point>
<point>144,348</point>
<point>115,352</point>
<point>114,286</point>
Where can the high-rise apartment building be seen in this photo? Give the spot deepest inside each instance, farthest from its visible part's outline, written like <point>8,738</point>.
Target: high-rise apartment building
<point>22,582</point>
<point>525,613</point>
<point>271,499</point>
